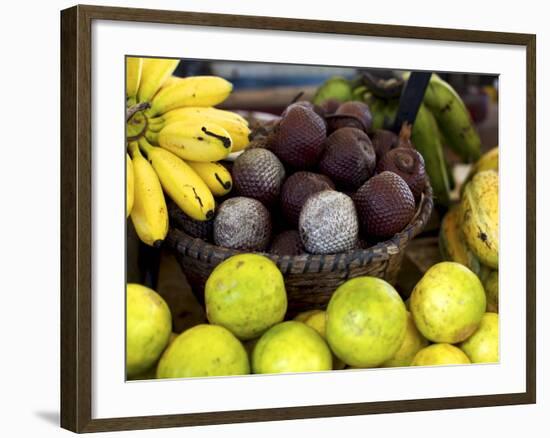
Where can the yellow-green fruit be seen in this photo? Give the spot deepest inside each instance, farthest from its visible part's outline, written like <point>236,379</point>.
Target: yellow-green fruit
<point>148,328</point>
<point>482,346</point>
<point>366,322</point>
<point>204,350</point>
<point>488,161</point>
<point>301,317</point>
<point>246,294</point>
<point>151,373</point>
<point>448,303</point>
<point>291,347</point>
<point>452,244</point>
<point>440,354</point>
<point>317,320</point>
<point>412,344</point>
<point>479,216</point>
<point>491,291</point>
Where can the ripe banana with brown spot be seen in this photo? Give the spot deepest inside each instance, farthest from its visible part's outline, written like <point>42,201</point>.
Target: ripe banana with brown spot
<point>154,72</point>
<point>452,244</point>
<point>129,185</point>
<point>217,177</point>
<point>199,110</point>
<point>133,77</point>
<point>180,182</point>
<point>192,91</point>
<point>479,216</point>
<point>238,131</point>
<point>149,213</point>
<point>453,119</point>
<point>204,141</point>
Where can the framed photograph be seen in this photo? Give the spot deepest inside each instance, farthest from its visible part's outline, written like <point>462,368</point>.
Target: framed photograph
<point>305,220</point>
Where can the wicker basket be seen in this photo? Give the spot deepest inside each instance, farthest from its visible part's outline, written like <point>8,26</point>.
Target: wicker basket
<point>310,279</point>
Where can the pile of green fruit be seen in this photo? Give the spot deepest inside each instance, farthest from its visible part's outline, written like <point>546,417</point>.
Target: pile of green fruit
<point>442,120</point>
<point>365,325</point>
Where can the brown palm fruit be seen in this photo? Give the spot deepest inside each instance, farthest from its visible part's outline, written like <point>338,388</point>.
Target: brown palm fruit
<point>242,223</point>
<point>295,191</point>
<point>348,158</point>
<point>200,229</point>
<point>351,114</point>
<point>258,173</point>
<point>408,163</point>
<point>385,205</point>
<point>330,106</point>
<point>298,139</point>
<point>287,243</point>
<point>383,141</point>
<point>328,223</point>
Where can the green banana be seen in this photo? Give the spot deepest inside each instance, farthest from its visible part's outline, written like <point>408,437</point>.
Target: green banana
<point>453,119</point>
<point>426,140</point>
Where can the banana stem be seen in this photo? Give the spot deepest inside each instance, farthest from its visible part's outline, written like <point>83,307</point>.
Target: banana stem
<point>145,146</point>
<point>135,108</point>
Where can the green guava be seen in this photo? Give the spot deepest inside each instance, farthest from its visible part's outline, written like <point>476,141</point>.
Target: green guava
<point>291,347</point>
<point>246,294</point>
<point>440,354</point>
<point>204,350</point>
<point>366,322</point>
<point>412,344</point>
<point>448,303</point>
<point>482,346</point>
<point>148,328</point>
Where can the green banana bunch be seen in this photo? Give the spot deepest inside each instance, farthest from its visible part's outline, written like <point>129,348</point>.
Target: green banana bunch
<point>180,182</point>
<point>453,119</point>
<point>154,72</point>
<point>149,213</point>
<point>336,87</point>
<point>192,91</point>
<point>479,216</point>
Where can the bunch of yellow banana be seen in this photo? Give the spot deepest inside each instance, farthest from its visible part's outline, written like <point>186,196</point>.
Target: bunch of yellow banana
<point>175,137</point>
<point>469,231</point>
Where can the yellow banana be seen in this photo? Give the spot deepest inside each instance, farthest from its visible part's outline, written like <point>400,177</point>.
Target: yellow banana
<point>479,216</point>
<point>451,242</point>
<point>453,119</point>
<point>217,177</point>
<point>237,131</point>
<point>191,91</point>
<point>180,182</point>
<point>154,73</point>
<point>196,141</point>
<point>149,213</point>
<point>129,185</point>
<point>216,113</point>
<point>133,76</point>
<point>170,81</point>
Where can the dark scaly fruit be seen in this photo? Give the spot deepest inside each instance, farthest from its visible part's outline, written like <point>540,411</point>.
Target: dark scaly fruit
<point>297,188</point>
<point>306,104</point>
<point>330,106</point>
<point>383,141</point>
<point>258,173</point>
<point>242,223</point>
<point>348,158</point>
<point>298,139</point>
<point>351,114</point>
<point>385,205</point>
<point>409,165</point>
<point>328,223</point>
<point>287,243</point>
<point>200,229</point>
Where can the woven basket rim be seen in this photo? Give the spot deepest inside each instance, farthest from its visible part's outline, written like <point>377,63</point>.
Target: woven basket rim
<point>201,250</point>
